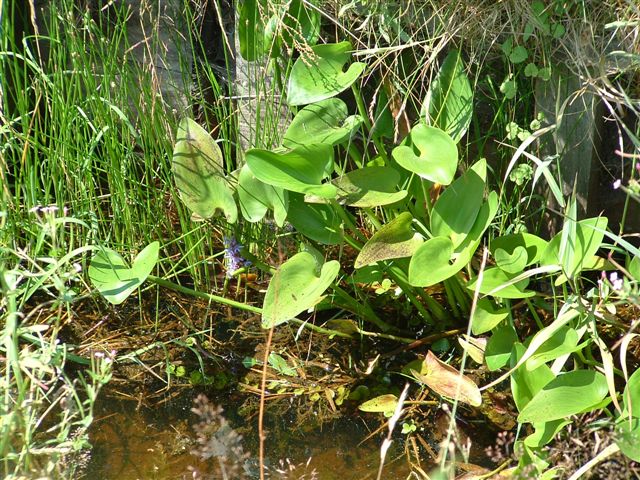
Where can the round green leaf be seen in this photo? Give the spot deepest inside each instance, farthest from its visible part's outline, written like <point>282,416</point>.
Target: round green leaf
<point>437,159</point>
<point>326,121</point>
<point>568,394</point>
<point>396,239</point>
<point>431,263</point>
<point>487,316</point>
<point>628,438</point>
<point>320,75</point>
<point>113,278</point>
<point>518,55</point>
<point>295,287</point>
<point>299,170</point>
<point>199,175</point>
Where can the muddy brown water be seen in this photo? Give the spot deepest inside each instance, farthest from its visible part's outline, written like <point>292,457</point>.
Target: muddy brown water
<point>131,443</point>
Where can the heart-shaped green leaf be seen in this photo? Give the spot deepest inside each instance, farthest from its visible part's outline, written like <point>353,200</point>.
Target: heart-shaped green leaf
<point>318,222</point>
<point>199,175</point>
<point>628,438</point>
<point>295,287</point>
<point>326,121</point>
<point>568,394</point>
<point>455,212</point>
<point>514,262</point>
<point>396,239</point>
<point>256,197</point>
<point>320,75</point>
<point>449,101</point>
<point>111,276</point>
<point>299,170</point>
<point>437,157</point>
<point>533,244</point>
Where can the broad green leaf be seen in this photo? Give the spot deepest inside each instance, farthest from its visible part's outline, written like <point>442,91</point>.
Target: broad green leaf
<point>381,404</point>
<point>365,188</point>
<point>568,394</point>
<point>396,239</point>
<point>533,244</point>
<point>498,283</point>
<point>544,433</point>
<point>295,287</point>
<point>299,170</point>
<point>437,157</point>
<point>449,101</point>
<point>199,175</point>
<point>511,263</point>
<point>583,244</point>
<point>320,75</point>
<point>431,263</point>
<point>628,438</point>
<point>318,222</point>
<point>519,54</point>
<point>499,347</point>
<point>326,121</point>
<point>423,269</point>
<point>526,384</point>
<point>487,316</point>
<point>563,341</point>
<point>447,381</point>
<point>111,276</point>
<point>455,212</point>
<point>255,198</point>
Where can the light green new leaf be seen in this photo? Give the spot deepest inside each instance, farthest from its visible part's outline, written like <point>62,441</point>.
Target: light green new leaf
<point>295,287</point>
<point>437,159</point>
<point>299,170</point>
<point>114,279</point>
<point>326,121</point>
<point>396,239</point>
<point>199,174</point>
<point>320,75</point>
<point>256,197</point>
<point>568,394</point>
<point>449,101</point>
<point>455,212</point>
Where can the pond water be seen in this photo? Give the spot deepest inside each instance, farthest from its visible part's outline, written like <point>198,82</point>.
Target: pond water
<point>131,443</point>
